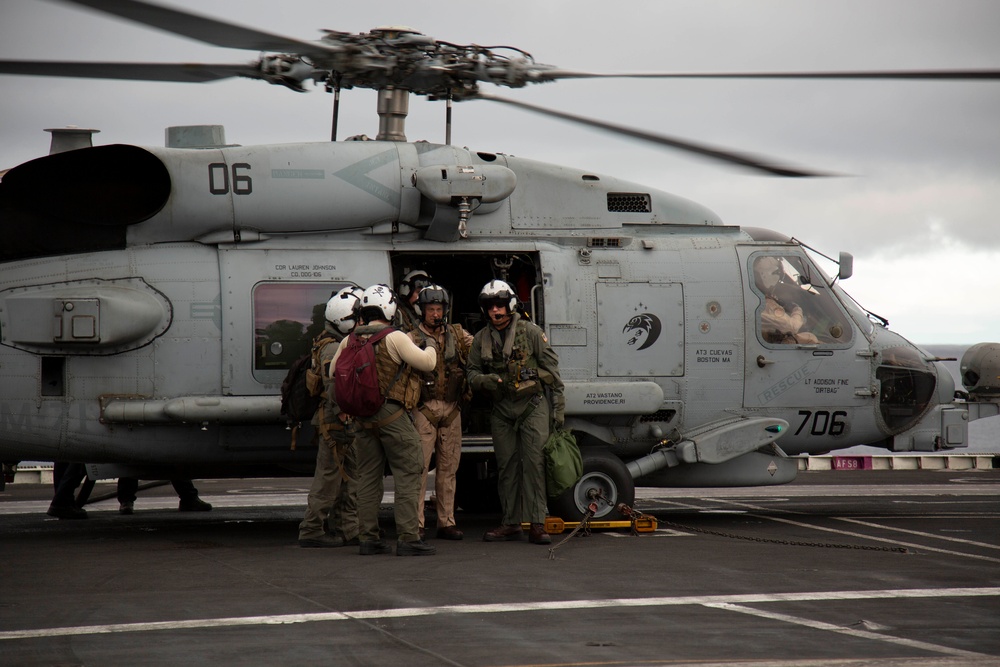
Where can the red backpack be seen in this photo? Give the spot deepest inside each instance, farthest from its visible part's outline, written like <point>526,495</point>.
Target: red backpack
<point>356,376</point>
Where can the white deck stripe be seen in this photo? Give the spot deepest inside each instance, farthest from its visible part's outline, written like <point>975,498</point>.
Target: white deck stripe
<point>516,607</point>
<point>922,547</point>
<point>861,634</point>
<point>849,533</point>
<point>917,532</point>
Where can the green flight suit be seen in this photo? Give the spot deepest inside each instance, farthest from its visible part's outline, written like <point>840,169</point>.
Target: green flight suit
<point>333,494</point>
<point>521,358</point>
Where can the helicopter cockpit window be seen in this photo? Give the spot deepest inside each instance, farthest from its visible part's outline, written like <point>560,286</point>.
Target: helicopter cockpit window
<point>286,317</point>
<point>860,317</point>
<point>797,307</point>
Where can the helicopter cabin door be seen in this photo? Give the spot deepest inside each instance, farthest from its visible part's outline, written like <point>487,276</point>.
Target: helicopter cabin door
<point>273,303</point>
<point>802,361</point>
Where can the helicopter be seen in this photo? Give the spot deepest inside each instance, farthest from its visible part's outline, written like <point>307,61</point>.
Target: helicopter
<point>152,298</point>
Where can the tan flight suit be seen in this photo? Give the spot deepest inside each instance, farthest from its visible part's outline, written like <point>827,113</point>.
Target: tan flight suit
<point>779,325</point>
<point>522,358</point>
<point>389,435</point>
<point>333,492</point>
<point>438,416</point>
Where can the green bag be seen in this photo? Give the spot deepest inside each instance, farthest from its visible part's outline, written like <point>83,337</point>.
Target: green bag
<point>563,463</point>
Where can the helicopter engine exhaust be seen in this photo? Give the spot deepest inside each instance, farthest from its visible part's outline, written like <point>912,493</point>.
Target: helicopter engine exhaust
<point>79,200</point>
<point>114,185</point>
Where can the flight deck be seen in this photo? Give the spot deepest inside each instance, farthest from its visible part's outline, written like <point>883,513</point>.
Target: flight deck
<point>836,568</point>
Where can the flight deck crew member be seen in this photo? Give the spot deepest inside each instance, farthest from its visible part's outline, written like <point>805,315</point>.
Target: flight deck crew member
<point>781,320</point>
<point>184,487</point>
<point>333,495</point>
<point>389,435</point>
<point>65,478</point>
<point>438,415</point>
<point>407,318</point>
<point>511,360</point>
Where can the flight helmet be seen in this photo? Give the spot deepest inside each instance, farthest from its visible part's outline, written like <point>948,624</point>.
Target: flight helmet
<point>378,302</point>
<point>432,294</point>
<point>412,283</point>
<point>342,309</point>
<point>497,292</point>
<point>769,272</point>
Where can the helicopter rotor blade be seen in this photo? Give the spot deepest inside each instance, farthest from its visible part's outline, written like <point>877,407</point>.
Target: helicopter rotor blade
<point>206,29</point>
<point>884,75</point>
<point>182,72</point>
<point>756,163</point>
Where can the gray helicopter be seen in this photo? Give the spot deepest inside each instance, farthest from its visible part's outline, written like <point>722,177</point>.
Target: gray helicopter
<point>152,299</point>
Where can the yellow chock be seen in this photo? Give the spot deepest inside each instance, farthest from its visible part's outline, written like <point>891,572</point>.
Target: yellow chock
<point>554,525</point>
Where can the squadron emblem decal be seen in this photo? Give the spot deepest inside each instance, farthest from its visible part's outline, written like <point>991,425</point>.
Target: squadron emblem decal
<point>644,328</point>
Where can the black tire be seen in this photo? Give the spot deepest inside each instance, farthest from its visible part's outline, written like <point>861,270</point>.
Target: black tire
<point>604,473</point>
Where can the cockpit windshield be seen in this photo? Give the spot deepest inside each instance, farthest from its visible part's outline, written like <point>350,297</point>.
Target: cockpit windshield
<point>797,307</point>
<point>854,309</point>
<point>858,314</point>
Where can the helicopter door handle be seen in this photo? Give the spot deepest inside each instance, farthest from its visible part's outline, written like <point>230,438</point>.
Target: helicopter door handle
<point>761,361</point>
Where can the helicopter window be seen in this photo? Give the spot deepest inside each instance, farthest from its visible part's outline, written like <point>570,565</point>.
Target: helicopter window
<point>629,202</point>
<point>857,312</point>
<point>794,310</point>
<point>287,316</point>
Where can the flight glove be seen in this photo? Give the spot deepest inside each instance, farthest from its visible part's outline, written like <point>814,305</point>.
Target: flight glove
<point>490,383</point>
<point>558,411</point>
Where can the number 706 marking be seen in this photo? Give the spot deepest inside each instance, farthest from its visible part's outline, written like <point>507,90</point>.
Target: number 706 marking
<point>823,422</point>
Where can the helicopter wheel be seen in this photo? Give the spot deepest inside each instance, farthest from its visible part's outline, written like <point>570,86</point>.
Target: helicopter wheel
<point>605,481</point>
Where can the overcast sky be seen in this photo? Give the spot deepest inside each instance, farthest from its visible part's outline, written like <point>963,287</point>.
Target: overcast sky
<point>919,212</point>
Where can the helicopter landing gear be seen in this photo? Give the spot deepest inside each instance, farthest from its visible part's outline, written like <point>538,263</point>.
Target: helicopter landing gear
<point>605,481</point>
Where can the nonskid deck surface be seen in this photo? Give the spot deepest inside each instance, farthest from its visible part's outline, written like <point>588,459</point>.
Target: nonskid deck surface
<point>838,568</point>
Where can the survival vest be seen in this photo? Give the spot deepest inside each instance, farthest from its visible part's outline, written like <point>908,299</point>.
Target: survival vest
<point>447,381</point>
<point>515,362</point>
<point>356,375</point>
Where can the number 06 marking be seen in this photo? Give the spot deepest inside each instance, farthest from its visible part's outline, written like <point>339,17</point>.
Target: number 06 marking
<point>218,178</point>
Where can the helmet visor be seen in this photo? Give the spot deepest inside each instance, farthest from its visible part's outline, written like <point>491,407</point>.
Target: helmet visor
<point>495,302</point>
<point>433,296</point>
